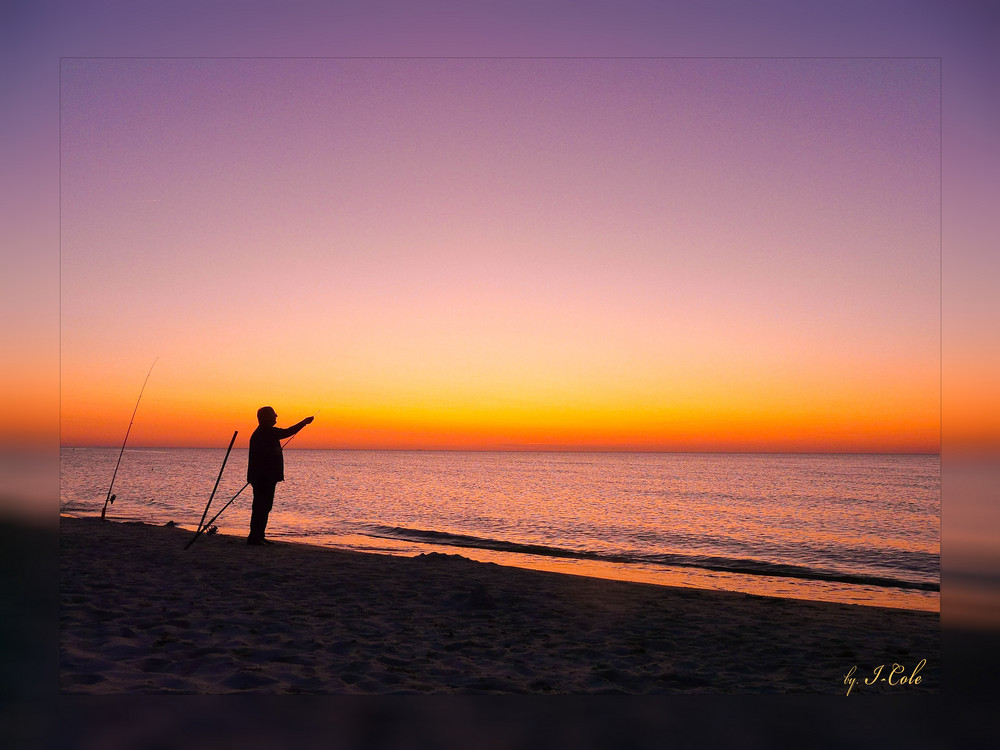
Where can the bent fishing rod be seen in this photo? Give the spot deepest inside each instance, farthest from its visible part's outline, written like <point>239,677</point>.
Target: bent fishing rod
<point>111,498</point>
<point>203,526</point>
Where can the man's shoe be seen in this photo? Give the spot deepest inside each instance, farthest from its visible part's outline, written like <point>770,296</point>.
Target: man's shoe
<point>255,542</point>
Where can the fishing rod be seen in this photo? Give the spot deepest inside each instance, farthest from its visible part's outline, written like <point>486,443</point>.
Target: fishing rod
<point>202,528</point>
<point>212,496</point>
<point>111,498</point>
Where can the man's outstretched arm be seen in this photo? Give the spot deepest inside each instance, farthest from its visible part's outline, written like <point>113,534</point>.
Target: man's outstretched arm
<point>284,432</point>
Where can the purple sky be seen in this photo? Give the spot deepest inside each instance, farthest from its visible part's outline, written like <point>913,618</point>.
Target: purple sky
<point>37,35</point>
<point>652,234</point>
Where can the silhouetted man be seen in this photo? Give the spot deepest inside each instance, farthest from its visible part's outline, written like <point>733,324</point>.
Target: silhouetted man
<point>266,467</point>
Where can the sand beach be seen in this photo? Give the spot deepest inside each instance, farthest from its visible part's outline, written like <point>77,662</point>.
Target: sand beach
<point>139,614</point>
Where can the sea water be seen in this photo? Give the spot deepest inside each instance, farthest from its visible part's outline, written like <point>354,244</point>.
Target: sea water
<point>853,528</point>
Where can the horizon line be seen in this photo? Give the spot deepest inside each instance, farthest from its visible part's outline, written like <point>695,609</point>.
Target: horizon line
<point>524,449</point>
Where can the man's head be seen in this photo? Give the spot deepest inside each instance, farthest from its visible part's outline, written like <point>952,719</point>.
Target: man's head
<point>266,416</point>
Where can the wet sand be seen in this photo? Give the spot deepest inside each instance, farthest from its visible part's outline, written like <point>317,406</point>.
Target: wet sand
<point>140,614</point>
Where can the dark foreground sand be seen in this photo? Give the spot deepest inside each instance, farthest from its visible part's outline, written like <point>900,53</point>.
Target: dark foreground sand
<point>140,614</point>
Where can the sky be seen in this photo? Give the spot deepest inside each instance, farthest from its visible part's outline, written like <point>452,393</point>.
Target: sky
<point>38,37</point>
<point>530,253</point>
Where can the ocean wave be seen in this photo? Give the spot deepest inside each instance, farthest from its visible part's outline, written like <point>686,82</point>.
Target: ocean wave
<point>713,563</point>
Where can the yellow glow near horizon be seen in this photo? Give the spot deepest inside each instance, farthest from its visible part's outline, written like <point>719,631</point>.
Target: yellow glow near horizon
<point>701,417</point>
<point>496,395</point>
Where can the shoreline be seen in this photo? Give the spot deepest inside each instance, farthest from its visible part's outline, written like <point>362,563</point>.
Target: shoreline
<point>140,614</point>
<point>682,577</point>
